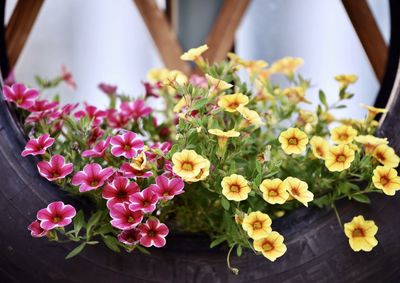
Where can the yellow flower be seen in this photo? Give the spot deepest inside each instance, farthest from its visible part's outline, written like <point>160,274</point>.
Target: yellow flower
<point>250,117</point>
<point>194,54</point>
<point>217,85</point>
<point>386,155</point>
<point>296,94</point>
<point>271,246</point>
<point>343,134</point>
<point>231,102</point>
<point>293,140</point>
<point>370,142</point>
<point>253,67</point>
<point>327,117</point>
<point>223,136</point>
<point>187,164</point>
<point>319,147</point>
<point>386,179</point>
<point>235,187</point>
<point>182,103</point>
<point>157,75</point>
<point>257,225</point>
<point>361,234</point>
<point>286,65</point>
<point>345,80</point>
<point>298,189</point>
<point>274,191</point>
<point>204,172</point>
<point>139,162</point>
<point>373,111</point>
<point>339,157</point>
<point>307,117</point>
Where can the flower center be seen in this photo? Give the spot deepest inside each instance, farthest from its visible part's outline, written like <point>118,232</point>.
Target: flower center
<point>319,151</point>
<point>341,158</point>
<point>380,156</point>
<point>130,219</point>
<point>257,225</point>
<point>187,166</point>
<point>234,105</point>
<point>146,203</point>
<point>19,101</point>
<point>343,136</point>
<point>57,219</point>
<point>384,180</point>
<point>121,195</point>
<point>151,233</point>
<point>234,189</point>
<point>166,194</point>
<point>267,246</point>
<point>293,141</point>
<point>273,193</point>
<point>295,191</point>
<point>358,232</point>
<point>127,147</point>
<point>56,175</point>
<point>94,183</point>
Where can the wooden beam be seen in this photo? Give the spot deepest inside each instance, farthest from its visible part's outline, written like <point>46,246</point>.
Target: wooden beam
<point>222,35</point>
<point>368,32</point>
<point>164,37</point>
<point>19,27</point>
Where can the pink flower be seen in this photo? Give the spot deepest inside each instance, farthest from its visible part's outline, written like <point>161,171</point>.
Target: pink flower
<point>68,108</point>
<point>48,116</point>
<point>123,218</point>
<point>55,169</point>
<point>119,191</point>
<point>129,237</point>
<point>57,214</point>
<point>153,233</point>
<point>95,134</point>
<point>198,81</point>
<point>117,120</point>
<point>166,189</point>
<point>42,105</point>
<point>21,95</point>
<point>164,147</point>
<point>98,150</point>
<point>136,109</point>
<point>168,170</point>
<point>93,113</point>
<point>149,88</point>
<point>126,145</point>
<point>131,172</point>
<point>66,76</point>
<point>10,79</point>
<point>36,230</point>
<point>38,146</point>
<point>145,201</point>
<point>92,177</point>
<point>108,88</point>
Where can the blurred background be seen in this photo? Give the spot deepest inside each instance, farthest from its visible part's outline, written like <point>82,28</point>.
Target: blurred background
<point>107,41</point>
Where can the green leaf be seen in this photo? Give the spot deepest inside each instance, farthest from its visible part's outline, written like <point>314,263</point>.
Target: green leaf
<point>361,198</point>
<point>112,243</point>
<point>322,98</point>
<point>174,149</point>
<point>239,250</point>
<point>200,104</point>
<point>225,203</point>
<point>76,251</point>
<point>79,222</point>
<point>143,250</point>
<point>217,241</point>
<point>93,221</point>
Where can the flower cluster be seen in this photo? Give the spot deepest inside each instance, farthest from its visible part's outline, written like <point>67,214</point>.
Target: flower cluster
<point>246,153</point>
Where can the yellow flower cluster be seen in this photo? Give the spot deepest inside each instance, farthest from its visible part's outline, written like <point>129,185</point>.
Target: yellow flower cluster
<point>190,166</point>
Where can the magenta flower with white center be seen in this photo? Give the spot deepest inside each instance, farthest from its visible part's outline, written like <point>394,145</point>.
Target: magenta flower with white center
<point>108,88</point>
<point>126,145</point>
<point>124,218</point>
<point>21,95</point>
<point>36,230</point>
<point>116,119</point>
<point>98,150</point>
<point>38,146</point>
<point>145,201</point>
<point>93,113</point>
<point>153,233</point>
<point>131,172</point>
<point>136,109</point>
<point>43,105</point>
<point>92,177</point>
<point>129,237</point>
<point>166,189</point>
<point>57,214</point>
<point>55,169</point>
<point>119,191</point>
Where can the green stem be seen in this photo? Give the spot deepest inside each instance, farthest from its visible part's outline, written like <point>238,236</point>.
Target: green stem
<point>337,214</point>
<point>228,261</point>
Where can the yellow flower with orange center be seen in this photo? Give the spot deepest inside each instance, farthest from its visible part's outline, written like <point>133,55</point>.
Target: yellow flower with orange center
<point>293,141</point>
<point>231,102</point>
<point>287,65</point>
<point>370,142</point>
<point>298,189</point>
<point>257,225</point>
<point>217,85</point>
<point>187,164</point>
<point>204,173</point>
<point>296,94</point>
<point>253,67</point>
<point>343,134</point>
<point>319,147</point>
<point>346,80</point>
<point>373,111</point>
<point>271,246</point>
<point>223,136</point>
<point>251,117</point>
<point>361,234</point>
<point>386,179</point>
<point>194,54</point>
<point>274,191</point>
<point>339,157</point>
<point>386,155</point>
<point>235,187</point>
<point>139,162</point>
